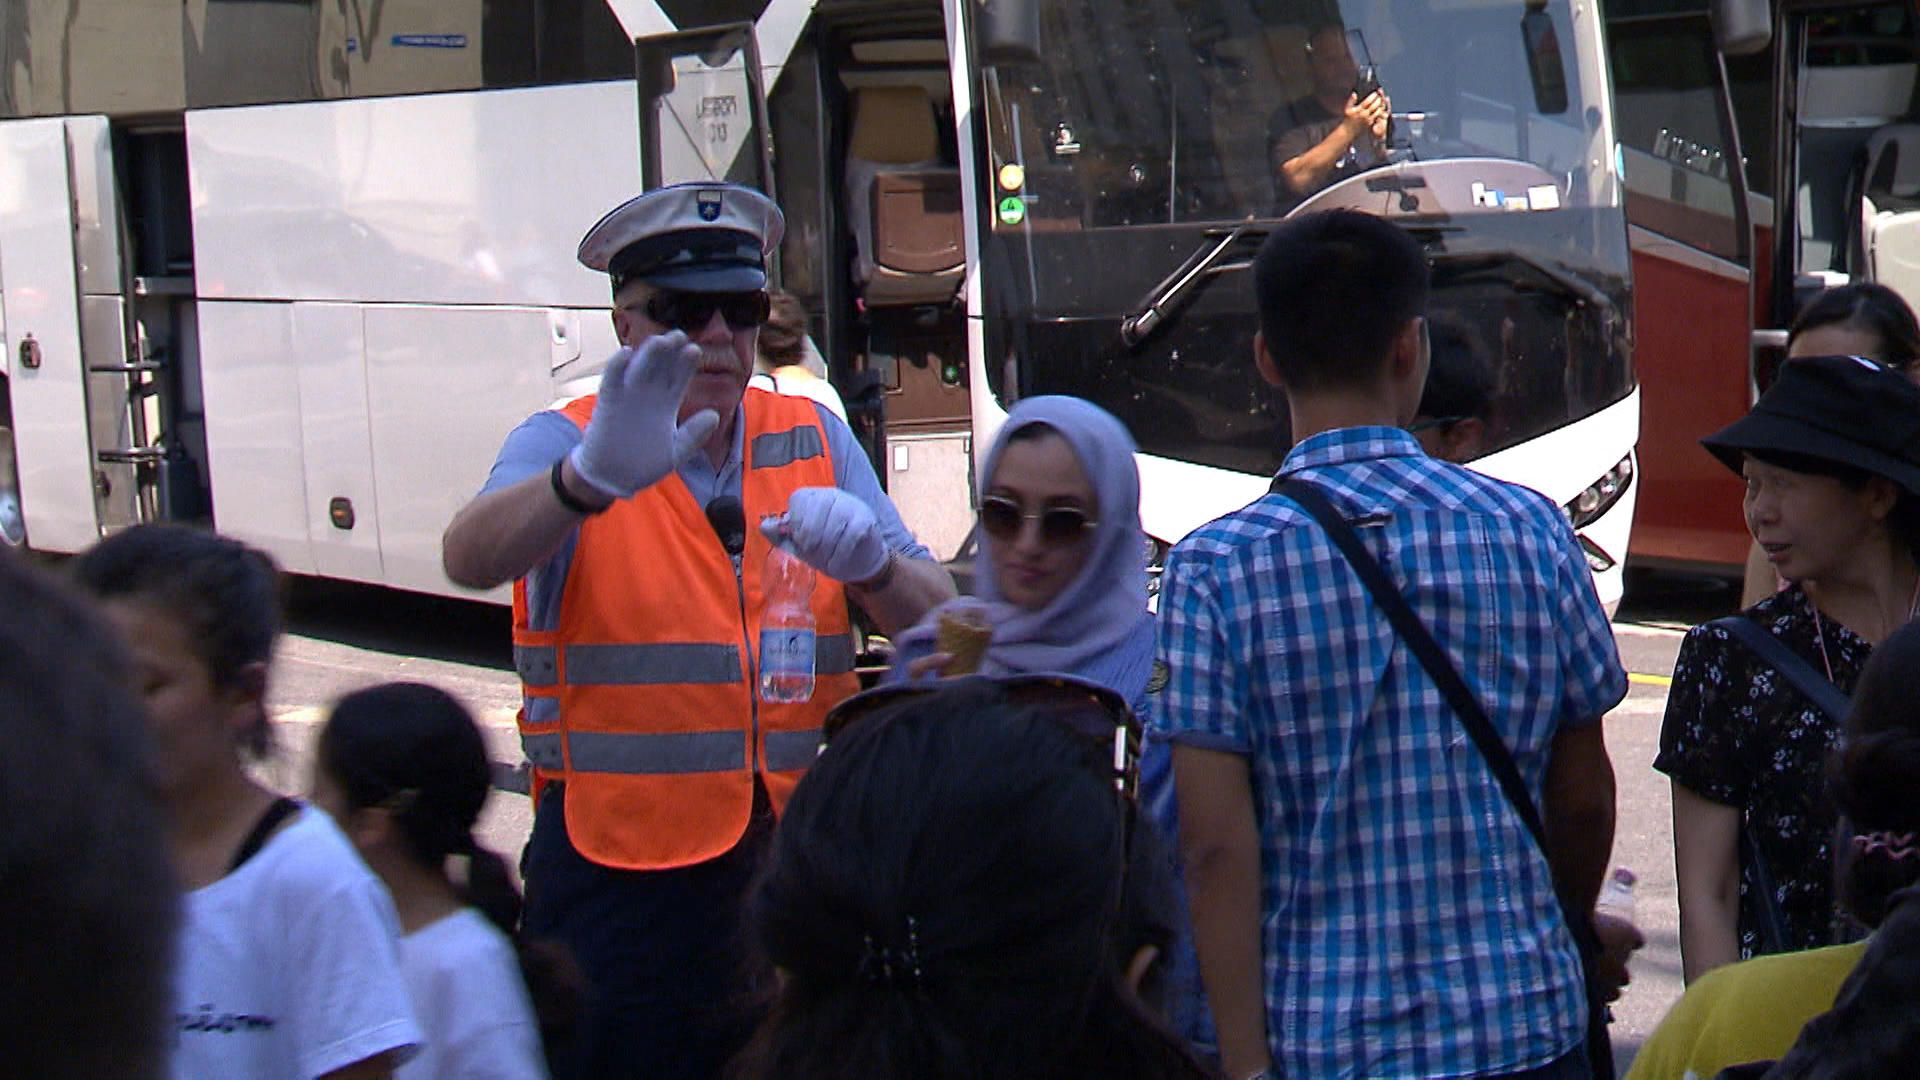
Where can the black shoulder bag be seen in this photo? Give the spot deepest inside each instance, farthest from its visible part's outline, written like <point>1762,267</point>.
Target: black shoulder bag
<point>1419,640</point>
<point>1828,699</point>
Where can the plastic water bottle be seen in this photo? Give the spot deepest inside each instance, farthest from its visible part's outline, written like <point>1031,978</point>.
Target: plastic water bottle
<point>786,629</point>
<point>1616,896</point>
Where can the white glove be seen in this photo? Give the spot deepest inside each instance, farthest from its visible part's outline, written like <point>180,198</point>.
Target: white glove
<point>831,531</point>
<point>633,440</point>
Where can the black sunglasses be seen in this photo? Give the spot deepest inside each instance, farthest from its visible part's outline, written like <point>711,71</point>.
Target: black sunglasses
<point>1088,710</point>
<point>1003,519</point>
<point>691,312</point>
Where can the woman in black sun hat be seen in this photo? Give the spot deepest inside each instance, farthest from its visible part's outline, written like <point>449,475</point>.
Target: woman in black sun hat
<point>1831,456</point>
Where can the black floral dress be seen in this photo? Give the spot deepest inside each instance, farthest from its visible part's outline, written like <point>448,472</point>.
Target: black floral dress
<point>1738,734</point>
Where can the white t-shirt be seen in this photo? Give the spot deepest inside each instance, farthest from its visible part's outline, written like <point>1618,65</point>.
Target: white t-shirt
<point>470,999</point>
<point>289,967</point>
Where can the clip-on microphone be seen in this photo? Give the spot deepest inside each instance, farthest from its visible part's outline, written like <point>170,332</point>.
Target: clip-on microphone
<point>729,522</point>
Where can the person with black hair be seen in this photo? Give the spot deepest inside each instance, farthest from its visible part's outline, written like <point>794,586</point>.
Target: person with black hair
<point>1368,898</point>
<point>288,964</point>
<point>948,897</point>
<point>1862,319</point>
<point>1833,497</point>
<point>88,900</point>
<point>403,769</point>
<point>1451,422</point>
<point>1753,1010</point>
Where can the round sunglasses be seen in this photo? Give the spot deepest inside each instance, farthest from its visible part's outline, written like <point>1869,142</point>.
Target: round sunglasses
<point>692,312</point>
<point>1002,518</point>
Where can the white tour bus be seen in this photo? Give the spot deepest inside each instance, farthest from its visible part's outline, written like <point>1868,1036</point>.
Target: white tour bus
<point>293,268</point>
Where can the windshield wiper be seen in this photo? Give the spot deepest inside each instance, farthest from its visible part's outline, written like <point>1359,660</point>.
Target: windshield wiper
<point>1163,299</point>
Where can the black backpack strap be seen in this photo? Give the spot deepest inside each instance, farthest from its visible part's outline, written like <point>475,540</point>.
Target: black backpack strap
<point>1793,667</point>
<point>277,811</point>
<point>1826,697</point>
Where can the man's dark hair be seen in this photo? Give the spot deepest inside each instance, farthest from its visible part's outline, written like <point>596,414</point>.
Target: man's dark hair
<point>1334,289</point>
<point>88,901</point>
<point>1458,382</point>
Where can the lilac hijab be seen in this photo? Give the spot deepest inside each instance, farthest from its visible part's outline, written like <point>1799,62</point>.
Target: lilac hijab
<point>1104,605</point>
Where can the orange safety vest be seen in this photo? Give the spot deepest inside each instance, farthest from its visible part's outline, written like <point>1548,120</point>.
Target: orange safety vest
<point>644,696</point>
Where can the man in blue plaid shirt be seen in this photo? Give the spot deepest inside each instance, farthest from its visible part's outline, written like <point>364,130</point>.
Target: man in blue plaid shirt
<point>1366,902</point>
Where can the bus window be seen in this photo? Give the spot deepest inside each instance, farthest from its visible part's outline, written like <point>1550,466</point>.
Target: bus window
<point>1666,92</point>
<point>1857,73</point>
<point>140,59</point>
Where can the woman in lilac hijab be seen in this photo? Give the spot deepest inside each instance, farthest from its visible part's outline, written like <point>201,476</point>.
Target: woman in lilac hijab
<point>1061,575</point>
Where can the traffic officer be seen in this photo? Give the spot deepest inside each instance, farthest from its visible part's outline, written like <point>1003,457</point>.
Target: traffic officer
<point>657,769</point>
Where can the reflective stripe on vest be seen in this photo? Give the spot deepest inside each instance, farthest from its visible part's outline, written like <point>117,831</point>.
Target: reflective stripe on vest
<point>641,695</point>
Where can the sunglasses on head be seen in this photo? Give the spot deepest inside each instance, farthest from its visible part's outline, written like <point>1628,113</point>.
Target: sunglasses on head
<point>1088,710</point>
<point>1003,519</point>
<point>691,312</point>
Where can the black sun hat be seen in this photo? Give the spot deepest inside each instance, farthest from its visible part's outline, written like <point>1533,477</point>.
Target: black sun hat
<point>1845,410</point>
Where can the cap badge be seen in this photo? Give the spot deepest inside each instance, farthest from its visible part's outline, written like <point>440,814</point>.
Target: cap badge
<point>708,203</point>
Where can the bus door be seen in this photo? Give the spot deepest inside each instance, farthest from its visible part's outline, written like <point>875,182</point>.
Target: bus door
<point>1688,217</point>
<point>852,132</point>
<point>1849,166</point>
<point>65,318</point>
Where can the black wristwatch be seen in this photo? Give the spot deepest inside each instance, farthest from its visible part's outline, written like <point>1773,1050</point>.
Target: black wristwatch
<point>567,498</point>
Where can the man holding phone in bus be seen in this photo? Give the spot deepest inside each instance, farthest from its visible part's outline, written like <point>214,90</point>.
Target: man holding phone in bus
<point>627,520</point>
<point>1335,132</point>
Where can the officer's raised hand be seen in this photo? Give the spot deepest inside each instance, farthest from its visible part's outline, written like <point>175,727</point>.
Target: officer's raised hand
<point>833,532</point>
<point>635,437</point>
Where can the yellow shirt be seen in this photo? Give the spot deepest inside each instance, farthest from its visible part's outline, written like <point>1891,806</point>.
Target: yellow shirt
<point>1750,1011</point>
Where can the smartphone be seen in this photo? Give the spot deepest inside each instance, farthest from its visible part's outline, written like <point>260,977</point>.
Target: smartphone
<point>1367,84</point>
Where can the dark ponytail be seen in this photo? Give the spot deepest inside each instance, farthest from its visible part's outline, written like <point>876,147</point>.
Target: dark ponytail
<point>415,750</point>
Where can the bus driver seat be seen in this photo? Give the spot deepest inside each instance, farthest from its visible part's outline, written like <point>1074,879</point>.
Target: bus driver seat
<point>903,206</point>
<point>1890,210</point>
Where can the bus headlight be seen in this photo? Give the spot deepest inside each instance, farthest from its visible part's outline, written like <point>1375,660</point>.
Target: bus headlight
<point>1587,507</point>
<point>1155,554</point>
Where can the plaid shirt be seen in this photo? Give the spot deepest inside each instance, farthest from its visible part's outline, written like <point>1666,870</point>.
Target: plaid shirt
<point>1409,923</point>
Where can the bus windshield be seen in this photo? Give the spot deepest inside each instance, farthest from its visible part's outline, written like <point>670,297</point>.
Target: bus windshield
<point>1160,111</point>
<point>1138,151</point>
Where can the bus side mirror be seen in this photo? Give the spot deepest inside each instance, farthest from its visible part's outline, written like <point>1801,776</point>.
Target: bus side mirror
<point>1742,27</point>
<point>1544,65</point>
<point>1009,32</point>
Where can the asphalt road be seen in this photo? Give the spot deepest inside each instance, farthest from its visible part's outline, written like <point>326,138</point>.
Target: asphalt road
<point>343,637</point>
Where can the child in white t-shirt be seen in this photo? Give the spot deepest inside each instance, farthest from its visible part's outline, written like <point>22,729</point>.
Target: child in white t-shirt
<point>404,770</point>
<point>287,962</point>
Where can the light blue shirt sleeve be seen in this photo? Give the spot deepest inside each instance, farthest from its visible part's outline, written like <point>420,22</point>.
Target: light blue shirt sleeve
<point>531,449</point>
<point>853,474</point>
<point>1200,704</point>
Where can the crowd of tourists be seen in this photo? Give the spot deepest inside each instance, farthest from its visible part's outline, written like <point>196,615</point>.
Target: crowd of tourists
<point>1338,804</point>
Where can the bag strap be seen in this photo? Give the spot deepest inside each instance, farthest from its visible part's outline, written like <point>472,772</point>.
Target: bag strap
<point>276,812</point>
<point>1420,642</point>
<point>1793,667</point>
<point>1493,749</point>
<point>1824,696</point>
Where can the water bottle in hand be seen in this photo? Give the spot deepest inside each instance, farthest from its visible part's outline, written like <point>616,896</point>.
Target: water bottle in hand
<point>786,629</point>
<point>1616,896</point>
